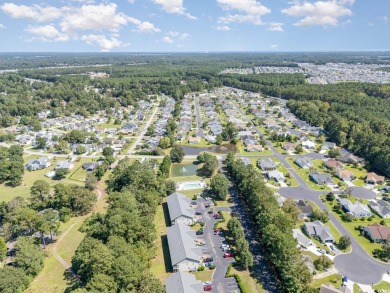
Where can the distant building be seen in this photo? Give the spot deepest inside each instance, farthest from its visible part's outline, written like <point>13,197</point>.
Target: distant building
<point>180,210</point>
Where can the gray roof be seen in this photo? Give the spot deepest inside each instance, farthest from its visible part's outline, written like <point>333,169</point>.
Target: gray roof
<point>304,161</point>
<point>181,242</point>
<point>321,178</point>
<point>319,229</point>
<point>179,205</point>
<point>181,282</point>
<point>267,163</point>
<point>301,238</point>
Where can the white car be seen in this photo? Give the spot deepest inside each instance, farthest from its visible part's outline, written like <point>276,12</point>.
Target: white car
<point>321,251</point>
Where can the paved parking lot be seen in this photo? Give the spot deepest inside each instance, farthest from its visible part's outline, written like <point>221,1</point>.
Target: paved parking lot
<point>213,248</point>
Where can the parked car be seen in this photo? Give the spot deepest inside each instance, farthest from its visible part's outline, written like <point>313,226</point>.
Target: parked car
<point>207,205</point>
<point>217,216</point>
<point>197,212</point>
<point>228,254</point>
<point>225,246</point>
<point>334,248</point>
<point>386,198</point>
<point>321,251</point>
<point>199,232</point>
<point>209,259</point>
<point>207,288</point>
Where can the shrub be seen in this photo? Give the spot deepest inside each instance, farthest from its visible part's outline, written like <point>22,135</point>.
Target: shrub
<point>201,268</point>
<point>212,267</point>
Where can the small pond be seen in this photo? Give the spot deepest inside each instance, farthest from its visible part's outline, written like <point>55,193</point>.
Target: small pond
<point>179,170</point>
<point>219,149</point>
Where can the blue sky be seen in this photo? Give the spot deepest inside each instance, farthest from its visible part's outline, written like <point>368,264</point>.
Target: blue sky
<point>194,25</point>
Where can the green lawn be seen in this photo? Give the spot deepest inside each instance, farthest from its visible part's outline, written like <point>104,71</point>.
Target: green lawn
<point>335,280</point>
<point>309,253</point>
<point>364,242</point>
<point>304,174</point>
<point>8,193</point>
<point>227,216</point>
<point>356,289</point>
<point>51,278</point>
<point>161,264</point>
<point>385,286</point>
<point>359,174</point>
<point>204,275</point>
<point>250,283</point>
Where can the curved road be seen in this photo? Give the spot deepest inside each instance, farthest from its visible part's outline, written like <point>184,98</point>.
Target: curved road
<point>357,265</point>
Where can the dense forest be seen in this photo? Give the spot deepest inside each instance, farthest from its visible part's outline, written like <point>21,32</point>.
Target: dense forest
<point>115,255</point>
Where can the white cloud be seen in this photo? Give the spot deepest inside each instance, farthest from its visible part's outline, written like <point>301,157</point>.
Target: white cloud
<point>275,27</point>
<point>384,19</point>
<point>2,26</point>
<point>95,17</point>
<point>223,28</point>
<point>167,40</point>
<point>174,7</point>
<point>250,11</point>
<point>105,44</point>
<point>34,12</point>
<point>274,47</point>
<point>147,27</point>
<point>47,33</point>
<point>322,13</point>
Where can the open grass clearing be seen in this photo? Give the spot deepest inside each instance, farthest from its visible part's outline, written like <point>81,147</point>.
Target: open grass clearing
<point>335,280</point>
<point>161,265</point>
<point>251,284</point>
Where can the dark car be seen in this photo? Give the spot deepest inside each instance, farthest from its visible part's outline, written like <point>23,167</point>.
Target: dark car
<point>199,232</point>
<point>386,198</point>
<point>209,259</point>
<point>198,212</point>
<point>217,216</point>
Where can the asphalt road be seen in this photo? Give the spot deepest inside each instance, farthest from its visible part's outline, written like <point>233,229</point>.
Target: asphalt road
<point>200,132</point>
<point>357,265</point>
<point>212,247</point>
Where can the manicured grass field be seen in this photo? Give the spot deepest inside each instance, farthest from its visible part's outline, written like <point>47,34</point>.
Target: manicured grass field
<point>251,284</point>
<point>356,289</point>
<point>161,265</point>
<point>205,275</point>
<point>335,280</point>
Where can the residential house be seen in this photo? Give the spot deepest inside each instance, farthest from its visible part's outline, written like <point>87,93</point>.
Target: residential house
<point>211,138</point>
<point>194,140</point>
<point>345,175</point>
<point>185,256</point>
<point>276,175</point>
<point>327,146</point>
<point>64,165</point>
<point>308,144</point>
<point>322,179</point>
<point>373,178</point>
<point>246,161</point>
<point>377,233</point>
<point>129,127</point>
<point>304,162</point>
<point>333,164</point>
<point>357,209</point>
<point>360,192</point>
<point>249,141</point>
<point>347,157</point>
<point>289,146</point>
<point>38,164</point>
<point>267,164</point>
<point>319,230</point>
<point>180,209</point>
<point>182,282</point>
<point>254,148</point>
<point>90,166</point>
<point>302,240</point>
<point>305,208</point>
<point>381,207</point>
